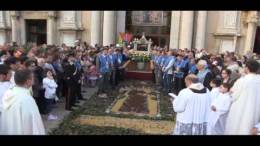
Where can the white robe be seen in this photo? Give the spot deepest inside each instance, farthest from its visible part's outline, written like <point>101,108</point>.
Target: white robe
<point>214,93</point>
<point>245,108</point>
<point>50,88</point>
<point>192,112</point>
<point>217,119</point>
<point>258,128</point>
<point>4,86</point>
<point>20,115</point>
<point>12,78</point>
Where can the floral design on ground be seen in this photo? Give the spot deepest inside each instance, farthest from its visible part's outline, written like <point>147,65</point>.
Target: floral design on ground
<point>145,126</point>
<point>139,100</point>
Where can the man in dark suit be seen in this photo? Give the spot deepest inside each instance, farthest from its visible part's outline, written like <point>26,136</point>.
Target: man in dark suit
<point>70,76</point>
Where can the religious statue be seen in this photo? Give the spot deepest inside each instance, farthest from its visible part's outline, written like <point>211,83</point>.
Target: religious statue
<point>142,44</point>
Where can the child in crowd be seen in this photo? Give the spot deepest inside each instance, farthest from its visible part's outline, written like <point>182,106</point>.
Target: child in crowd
<point>50,86</point>
<point>219,109</point>
<point>92,75</point>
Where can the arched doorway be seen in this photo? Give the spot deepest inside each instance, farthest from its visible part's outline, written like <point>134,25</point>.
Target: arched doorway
<point>36,31</point>
<point>257,41</point>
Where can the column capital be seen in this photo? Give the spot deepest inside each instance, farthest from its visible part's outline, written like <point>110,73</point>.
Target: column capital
<point>14,14</point>
<point>52,14</point>
<point>253,19</point>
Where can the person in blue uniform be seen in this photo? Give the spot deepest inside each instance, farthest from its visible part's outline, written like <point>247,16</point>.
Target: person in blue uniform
<point>192,66</point>
<point>179,73</point>
<point>158,70</point>
<point>162,64</point>
<point>116,62</point>
<point>105,70</point>
<point>168,72</point>
<point>153,58</point>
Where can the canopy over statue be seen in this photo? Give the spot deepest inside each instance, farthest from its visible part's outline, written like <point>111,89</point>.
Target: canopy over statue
<point>142,45</point>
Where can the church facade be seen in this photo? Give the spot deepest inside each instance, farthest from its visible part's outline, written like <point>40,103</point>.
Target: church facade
<point>216,31</point>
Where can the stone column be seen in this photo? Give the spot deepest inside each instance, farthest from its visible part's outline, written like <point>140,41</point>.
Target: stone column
<point>121,17</point>
<point>22,31</point>
<point>109,28</point>
<point>250,35</point>
<point>14,18</point>
<point>201,30</point>
<point>186,29</point>
<point>175,29</point>
<point>50,28</point>
<point>95,27</point>
<point>2,28</point>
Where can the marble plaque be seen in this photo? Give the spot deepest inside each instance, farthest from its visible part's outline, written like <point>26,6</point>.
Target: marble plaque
<point>226,45</point>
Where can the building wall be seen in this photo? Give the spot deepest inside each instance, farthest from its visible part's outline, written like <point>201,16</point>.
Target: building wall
<point>86,23</point>
<point>212,19</point>
<point>222,27</point>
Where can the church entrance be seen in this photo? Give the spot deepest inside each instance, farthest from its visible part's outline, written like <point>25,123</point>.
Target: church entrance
<point>257,41</point>
<point>36,31</point>
<point>155,24</point>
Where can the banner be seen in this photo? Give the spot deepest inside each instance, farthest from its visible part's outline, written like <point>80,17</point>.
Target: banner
<point>125,38</point>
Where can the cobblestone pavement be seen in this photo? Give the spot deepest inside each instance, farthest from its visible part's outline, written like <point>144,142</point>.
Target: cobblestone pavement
<point>146,126</point>
<point>60,111</point>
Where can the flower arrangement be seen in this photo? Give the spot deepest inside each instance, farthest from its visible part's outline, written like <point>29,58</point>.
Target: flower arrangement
<point>140,57</point>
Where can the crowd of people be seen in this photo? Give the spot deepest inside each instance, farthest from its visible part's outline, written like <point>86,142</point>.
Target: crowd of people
<point>214,93</point>
<point>50,74</point>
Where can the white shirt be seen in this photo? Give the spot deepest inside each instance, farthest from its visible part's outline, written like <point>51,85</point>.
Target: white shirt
<point>214,93</point>
<point>12,78</point>
<point>222,104</point>
<point>50,88</point>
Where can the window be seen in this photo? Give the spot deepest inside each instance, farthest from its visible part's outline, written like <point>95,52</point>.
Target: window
<point>155,25</point>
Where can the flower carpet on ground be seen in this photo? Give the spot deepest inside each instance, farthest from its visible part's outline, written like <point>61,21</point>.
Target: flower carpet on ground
<point>134,108</point>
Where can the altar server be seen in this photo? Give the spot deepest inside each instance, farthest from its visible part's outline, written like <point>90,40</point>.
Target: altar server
<point>219,109</point>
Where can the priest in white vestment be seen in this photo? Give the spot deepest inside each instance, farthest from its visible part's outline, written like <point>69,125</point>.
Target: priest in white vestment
<point>20,115</point>
<point>192,106</point>
<point>245,108</point>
